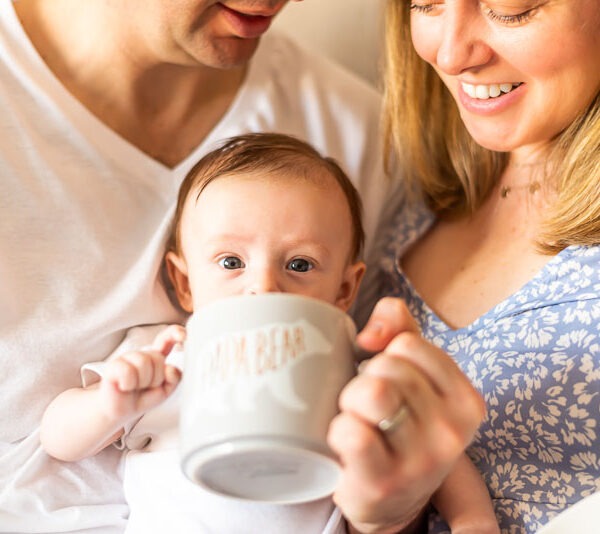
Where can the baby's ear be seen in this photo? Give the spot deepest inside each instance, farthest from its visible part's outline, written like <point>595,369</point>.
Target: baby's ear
<point>350,284</point>
<point>178,273</point>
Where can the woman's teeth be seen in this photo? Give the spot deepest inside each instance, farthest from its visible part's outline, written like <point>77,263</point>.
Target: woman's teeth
<point>483,92</point>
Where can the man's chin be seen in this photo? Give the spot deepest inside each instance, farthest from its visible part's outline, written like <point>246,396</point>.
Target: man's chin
<point>232,52</point>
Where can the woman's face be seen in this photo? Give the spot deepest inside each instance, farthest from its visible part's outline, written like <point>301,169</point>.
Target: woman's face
<point>519,70</point>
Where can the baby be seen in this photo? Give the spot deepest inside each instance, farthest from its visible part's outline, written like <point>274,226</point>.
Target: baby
<point>261,213</point>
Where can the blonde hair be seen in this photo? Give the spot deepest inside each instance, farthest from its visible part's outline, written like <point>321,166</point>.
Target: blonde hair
<point>453,174</point>
<point>270,153</point>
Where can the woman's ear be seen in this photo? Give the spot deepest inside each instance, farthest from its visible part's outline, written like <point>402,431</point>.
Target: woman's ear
<point>177,270</point>
<point>350,284</point>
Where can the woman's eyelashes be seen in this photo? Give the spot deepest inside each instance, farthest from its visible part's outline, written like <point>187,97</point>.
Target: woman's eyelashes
<point>426,8</point>
<point>511,19</point>
<point>493,13</point>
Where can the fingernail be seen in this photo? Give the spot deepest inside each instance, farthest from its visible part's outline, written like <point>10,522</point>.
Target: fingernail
<point>361,366</point>
<point>374,328</point>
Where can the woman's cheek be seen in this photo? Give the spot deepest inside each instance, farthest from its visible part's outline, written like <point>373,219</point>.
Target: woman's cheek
<point>424,41</point>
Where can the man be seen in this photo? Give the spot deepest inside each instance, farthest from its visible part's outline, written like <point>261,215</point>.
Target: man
<point>106,105</point>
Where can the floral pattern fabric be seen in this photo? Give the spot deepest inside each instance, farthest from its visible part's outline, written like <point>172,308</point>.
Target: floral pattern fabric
<point>535,357</point>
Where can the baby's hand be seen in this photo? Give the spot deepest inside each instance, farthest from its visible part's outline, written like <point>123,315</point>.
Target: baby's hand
<point>138,381</point>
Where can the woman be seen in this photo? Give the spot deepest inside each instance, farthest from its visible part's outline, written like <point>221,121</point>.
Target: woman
<point>495,108</point>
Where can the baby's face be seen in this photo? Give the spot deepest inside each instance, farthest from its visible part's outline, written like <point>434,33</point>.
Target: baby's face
<point>250,234</point>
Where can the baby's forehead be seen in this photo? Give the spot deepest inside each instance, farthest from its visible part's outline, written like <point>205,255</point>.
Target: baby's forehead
<point>313,177</point>
<point>313,190</point>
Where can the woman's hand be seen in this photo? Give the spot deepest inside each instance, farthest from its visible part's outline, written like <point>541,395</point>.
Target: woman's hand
<point>389,476</point>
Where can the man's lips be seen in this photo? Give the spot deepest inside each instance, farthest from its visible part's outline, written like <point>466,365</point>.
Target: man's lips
<point>245,25</point>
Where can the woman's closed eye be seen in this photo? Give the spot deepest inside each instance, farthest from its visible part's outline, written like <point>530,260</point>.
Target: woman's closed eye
<point>510,18</point>
<point>231,263</point>
<point>300,265</point>
<point>499,14</point>
<point>423,7</point>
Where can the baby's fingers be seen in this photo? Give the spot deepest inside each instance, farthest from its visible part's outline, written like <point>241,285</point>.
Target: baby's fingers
<point>172,376</point>
<point>168,338</point>
<point>122,374</point>
<point>151,397</point>
<point>136,371</point>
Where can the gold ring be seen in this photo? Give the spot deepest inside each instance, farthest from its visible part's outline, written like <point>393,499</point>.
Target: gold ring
<point>390,424</point>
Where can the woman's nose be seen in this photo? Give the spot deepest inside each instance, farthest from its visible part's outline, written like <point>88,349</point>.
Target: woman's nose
<point>463,43</point>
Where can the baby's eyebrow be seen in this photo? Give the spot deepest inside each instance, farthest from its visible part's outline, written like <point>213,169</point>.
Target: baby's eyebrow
<point>296,246</point>
<point>297,243</point>
<point>228,238</point>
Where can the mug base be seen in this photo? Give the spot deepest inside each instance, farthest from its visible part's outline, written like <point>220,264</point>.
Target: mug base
<point>270,470</point>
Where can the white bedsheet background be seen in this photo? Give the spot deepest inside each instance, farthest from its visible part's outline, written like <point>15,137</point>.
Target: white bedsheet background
<point>349,31</point>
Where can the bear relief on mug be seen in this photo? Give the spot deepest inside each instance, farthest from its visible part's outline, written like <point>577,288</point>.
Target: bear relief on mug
<point>262,378</point>
<point>235,368</point>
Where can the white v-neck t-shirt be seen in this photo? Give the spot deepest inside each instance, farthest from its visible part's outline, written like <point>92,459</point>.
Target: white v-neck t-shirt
<point>84,217</point>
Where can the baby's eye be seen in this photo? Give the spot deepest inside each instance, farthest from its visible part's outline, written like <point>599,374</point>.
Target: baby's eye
<point>300,265</point>
<point>231,262</point>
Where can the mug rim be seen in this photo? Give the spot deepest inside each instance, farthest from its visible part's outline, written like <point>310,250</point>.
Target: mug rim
<point>240,300</point>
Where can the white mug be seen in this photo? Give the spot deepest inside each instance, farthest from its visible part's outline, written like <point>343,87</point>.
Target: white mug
<point>261,381</point>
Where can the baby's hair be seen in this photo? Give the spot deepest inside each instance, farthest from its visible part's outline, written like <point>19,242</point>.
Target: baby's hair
<point>269,153</point>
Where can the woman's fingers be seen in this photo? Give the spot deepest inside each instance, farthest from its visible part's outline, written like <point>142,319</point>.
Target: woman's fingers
<point>430,411</point>
<point>375,396</point>
<point>424,372</point>
<point>361,451</point>
<point>431,392</point>
<point>389,318</point>
<point>392,326</point>
<point>388,476</point>
<point>373,494</point>
<point>387,387</point>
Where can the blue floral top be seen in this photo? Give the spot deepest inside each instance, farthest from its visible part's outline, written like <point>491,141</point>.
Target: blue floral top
<point>535,357</point>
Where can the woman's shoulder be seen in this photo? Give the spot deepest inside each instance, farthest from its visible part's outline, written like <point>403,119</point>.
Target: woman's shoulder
<point>575,271</point>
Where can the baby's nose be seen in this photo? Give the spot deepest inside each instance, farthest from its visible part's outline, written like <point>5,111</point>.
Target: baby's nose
<point>264,282</point>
